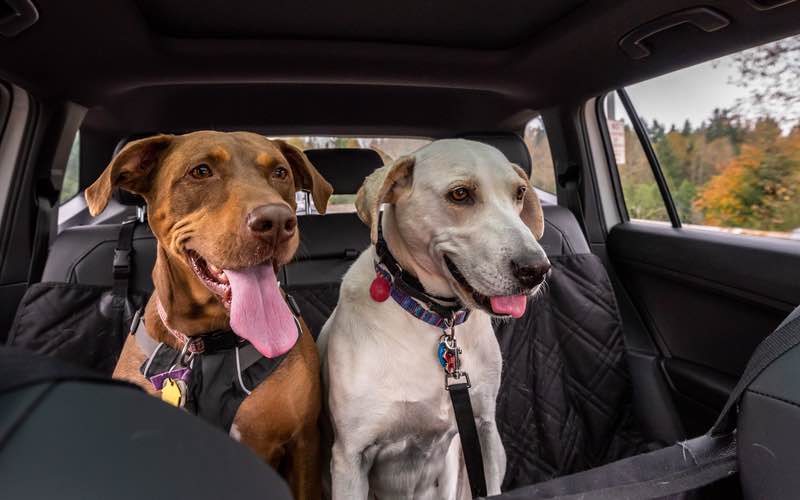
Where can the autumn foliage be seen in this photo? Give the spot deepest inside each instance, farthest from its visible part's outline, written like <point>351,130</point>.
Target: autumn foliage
<point>724,173</point>
<point>758,189</point>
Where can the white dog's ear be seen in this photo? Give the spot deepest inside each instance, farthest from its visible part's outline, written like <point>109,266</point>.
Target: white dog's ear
<point>532,214</point>
<point>382,186</point>
<point>129,170</point>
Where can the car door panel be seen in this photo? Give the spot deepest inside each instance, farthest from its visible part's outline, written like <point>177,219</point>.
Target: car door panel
<point>708,298</point>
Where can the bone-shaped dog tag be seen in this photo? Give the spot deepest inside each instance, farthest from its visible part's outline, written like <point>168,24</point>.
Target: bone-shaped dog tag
<point>174,392</point>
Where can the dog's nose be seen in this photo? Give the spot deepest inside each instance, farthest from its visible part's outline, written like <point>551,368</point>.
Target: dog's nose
<point>273,221</point>
<point>530,271</point>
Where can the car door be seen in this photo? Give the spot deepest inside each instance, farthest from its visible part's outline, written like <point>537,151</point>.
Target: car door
<point>708,247</point>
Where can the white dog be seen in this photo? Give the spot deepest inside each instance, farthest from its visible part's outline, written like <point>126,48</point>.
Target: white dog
<point>463,221</point>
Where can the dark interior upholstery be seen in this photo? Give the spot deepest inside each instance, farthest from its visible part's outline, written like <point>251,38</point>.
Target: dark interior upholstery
<point>345,169</point>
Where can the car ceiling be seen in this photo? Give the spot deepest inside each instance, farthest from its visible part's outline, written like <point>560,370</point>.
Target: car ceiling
<point>416,66</point>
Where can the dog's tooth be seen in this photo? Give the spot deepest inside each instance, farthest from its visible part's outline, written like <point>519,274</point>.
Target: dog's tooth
<point>222,277</point>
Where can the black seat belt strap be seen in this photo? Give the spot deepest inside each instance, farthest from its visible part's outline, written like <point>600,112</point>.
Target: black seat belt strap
<point>569,181</point>
<point>468,433</point>
<point>121,270</point>
<point>44,222</point>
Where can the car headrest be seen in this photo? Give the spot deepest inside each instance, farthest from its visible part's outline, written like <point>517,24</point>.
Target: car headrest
<point>510,144</point>
<point>345,169</point>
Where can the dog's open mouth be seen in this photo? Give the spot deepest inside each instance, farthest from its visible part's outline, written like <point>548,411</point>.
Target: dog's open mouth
<point>508,305</point>
<point>212,277</point>
<point>252,296</point>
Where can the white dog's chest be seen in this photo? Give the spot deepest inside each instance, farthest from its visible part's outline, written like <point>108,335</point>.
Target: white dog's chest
<point>410,457</point>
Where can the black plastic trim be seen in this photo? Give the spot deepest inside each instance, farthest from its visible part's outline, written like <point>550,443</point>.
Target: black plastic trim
<point>22,15</point>
<point>768,4</point>
<point>644,140</point>
<point>611,160</point>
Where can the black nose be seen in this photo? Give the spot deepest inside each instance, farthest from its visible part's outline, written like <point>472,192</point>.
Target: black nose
<point>530,271</point>
<point>273,221</point>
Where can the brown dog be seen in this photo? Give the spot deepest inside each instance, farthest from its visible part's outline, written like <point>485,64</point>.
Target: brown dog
<point>222,208</point>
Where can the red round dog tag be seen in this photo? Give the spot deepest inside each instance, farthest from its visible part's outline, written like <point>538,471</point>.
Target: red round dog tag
<point>379,289</point>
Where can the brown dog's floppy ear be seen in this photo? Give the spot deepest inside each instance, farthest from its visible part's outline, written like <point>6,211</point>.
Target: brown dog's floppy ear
<point>128,170</point>
<point>379,187</point>
<point>532,214</point>
<point>306,177</point>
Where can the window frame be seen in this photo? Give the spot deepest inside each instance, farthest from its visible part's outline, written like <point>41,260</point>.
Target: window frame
<point>649,152</point>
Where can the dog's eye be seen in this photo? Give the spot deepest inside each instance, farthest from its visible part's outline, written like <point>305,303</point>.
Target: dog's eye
<point>280,173</point>
<point>521,192</point>
<point>201,171</point>
<point>459,195</point>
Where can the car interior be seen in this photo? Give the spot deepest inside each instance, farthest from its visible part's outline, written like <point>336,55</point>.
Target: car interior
<point>668,315</point>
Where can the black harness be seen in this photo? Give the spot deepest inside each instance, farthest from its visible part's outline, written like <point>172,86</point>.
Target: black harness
<point>214,382</point>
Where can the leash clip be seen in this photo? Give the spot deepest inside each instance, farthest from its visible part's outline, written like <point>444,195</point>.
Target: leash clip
<point>449,356</point>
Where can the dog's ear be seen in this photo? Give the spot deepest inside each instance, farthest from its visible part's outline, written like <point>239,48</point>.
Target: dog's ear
<point>129,170</point>
<point>306,177</point>
<point>382,186</point>
<point>532,214</point>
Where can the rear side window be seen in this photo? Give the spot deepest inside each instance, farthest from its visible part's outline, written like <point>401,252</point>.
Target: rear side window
<point>535,138</point>
<point>389,149</point>
<point>727,137</point>
<point>71,184</point>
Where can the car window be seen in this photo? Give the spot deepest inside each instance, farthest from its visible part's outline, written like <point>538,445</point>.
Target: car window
<point>543,171</point>
<point>71,184</point>
<point>639,188</point>
<point>389,148</point>
<point>727,137</point>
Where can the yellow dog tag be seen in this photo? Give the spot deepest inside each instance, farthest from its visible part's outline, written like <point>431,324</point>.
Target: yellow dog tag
<point>172,392</point>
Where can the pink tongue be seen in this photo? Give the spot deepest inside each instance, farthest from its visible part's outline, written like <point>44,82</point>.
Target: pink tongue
<point>258,312</point>
<point>512,305</point>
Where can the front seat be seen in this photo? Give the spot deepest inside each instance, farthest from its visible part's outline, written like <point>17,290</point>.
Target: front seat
<point>68,433</point>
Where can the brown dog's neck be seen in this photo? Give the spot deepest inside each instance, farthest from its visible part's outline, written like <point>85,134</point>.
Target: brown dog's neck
<point>422,269</point>
<point>189,306</point>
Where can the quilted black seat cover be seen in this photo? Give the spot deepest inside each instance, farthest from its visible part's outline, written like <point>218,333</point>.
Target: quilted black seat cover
<point>565,398</point>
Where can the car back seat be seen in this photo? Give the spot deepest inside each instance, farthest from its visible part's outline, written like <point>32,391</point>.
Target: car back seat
<point>565,401</point>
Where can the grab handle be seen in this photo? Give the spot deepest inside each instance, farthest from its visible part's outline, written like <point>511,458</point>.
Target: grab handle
<point>703,18</point>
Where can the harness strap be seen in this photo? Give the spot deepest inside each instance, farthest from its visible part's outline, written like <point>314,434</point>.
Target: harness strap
<point>468,434</point>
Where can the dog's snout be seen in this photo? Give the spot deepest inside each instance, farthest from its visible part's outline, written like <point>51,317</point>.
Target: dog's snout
<point>273,221</point>
<point>530,271</point>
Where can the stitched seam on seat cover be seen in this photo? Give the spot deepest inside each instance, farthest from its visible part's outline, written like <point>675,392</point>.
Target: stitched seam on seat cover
<point>599,293</point>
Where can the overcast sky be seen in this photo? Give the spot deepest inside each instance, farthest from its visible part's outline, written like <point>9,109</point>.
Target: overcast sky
<point>691,93</point>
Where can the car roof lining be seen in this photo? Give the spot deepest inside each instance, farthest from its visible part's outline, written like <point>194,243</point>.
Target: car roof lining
<point>137,67</point>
